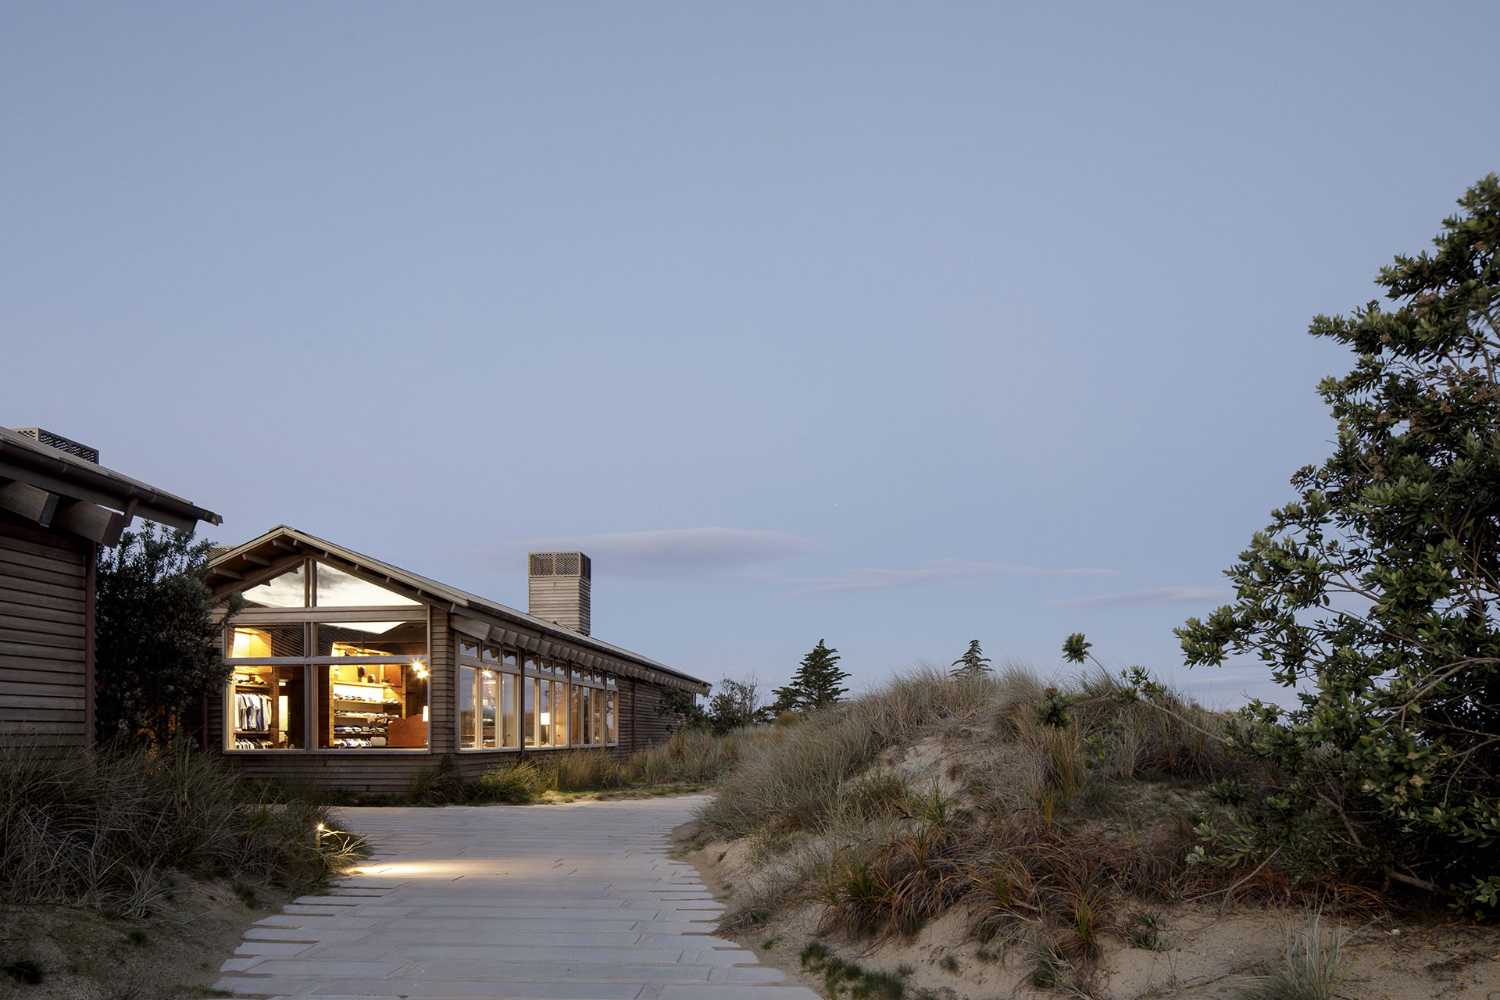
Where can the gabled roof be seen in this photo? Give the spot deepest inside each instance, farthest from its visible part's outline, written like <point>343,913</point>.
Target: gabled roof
<point>42,482</point>
<point>239,566</point>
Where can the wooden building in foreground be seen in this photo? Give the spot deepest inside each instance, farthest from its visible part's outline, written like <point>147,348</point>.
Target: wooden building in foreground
<point>58,506</point>
<point>351,673</point>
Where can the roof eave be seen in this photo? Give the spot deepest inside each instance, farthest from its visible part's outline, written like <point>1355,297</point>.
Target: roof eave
<point>64,474</point>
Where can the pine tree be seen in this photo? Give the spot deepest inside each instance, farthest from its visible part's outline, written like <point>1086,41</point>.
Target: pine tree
<point>972,663</point>
<point>816,683</point>
<point>786,699</point>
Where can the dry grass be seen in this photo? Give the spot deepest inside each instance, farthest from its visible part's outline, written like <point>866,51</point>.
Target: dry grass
<point>689,760</point>
<point>793,774</point>
<point>105,830</point>
<point>1073,807</point>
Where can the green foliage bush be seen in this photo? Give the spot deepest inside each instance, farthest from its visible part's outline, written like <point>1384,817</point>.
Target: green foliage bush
<point>1376,594</point>
<point>159,650</point>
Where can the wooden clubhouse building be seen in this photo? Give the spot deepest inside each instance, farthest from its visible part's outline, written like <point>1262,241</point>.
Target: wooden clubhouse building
<point>347,672</point>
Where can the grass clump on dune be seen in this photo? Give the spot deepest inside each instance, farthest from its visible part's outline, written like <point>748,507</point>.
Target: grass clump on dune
<point>108,829</point>
<point>1049,814</point>
<point>1312,966</point>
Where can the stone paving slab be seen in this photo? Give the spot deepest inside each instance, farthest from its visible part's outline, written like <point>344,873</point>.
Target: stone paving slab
<point>567,902</point>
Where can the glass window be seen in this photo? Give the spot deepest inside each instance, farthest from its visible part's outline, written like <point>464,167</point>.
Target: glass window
<point>511,729</point>
<point>265,709</point>
<point>259,641</point>
<point>374,705</point>
<point>612,716</point>
<point>468,647</point>
<point>407,640</point>
<point>544,713</point>
<point>491,710</point>
<point>597,733</point>
<point>528,710</point>
<point>559,714</point>
<point>289,590</point>
<point>575,716</point>
<point>468,703</point>
<point>338,589</point>
<point>491,654</point>
<point>510,657</point>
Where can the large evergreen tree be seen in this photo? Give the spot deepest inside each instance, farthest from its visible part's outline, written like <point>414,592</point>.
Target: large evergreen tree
<point>816,684</point>
<point>1376,593</point>
<point>158,649</point>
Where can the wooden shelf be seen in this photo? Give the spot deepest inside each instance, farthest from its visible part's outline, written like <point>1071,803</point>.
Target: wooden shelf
<point>375,712</point>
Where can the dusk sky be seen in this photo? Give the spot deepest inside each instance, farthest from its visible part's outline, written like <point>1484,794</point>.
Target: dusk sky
<point>897,325</point>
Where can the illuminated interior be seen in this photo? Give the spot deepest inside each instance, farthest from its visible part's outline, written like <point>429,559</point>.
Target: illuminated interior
<point>501,707</point>
<point>265,709</point>
<point>373,705</point>
<point>330,685</point>
<point>299,682</point>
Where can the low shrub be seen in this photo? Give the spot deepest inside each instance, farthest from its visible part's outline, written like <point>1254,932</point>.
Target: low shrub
<point>689,759</point>
<point>105,829</point>
<point>1145,929</point>
<point>842,978</point>
<point>517,784</point>
<point>439,785</point>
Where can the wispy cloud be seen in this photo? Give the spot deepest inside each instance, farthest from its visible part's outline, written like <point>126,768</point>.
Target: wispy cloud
<point>1153,596</point>
<point>939,570</point>
<point>680,551</point>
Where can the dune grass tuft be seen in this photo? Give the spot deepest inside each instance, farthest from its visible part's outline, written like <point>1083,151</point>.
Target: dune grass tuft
<point>106,830</point>
<point>1311,968</point>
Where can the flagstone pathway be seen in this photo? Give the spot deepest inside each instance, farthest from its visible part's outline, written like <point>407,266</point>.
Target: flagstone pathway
<point>557,902</point>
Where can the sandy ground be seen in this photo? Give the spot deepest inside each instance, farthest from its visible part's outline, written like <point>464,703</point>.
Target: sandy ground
<point>84,955</point>
<point>1204,953</point>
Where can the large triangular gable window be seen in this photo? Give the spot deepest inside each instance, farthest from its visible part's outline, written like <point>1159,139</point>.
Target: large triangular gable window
<point>289,590</point>
<point>338,589</point>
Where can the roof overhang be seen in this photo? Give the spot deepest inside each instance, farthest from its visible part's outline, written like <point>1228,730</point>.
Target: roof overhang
<point>272,553</point>
<point>65,493</point>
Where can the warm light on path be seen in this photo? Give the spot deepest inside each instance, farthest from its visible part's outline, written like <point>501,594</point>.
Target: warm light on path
<point>562,902</point>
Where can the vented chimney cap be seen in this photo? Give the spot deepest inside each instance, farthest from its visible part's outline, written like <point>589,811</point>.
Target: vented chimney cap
<point>560,564</point>
<point>75,448</point>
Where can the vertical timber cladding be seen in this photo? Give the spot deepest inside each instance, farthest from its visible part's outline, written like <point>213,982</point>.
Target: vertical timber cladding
<point>44,632</point>
<point>442,735</point>
<point>651,724</point>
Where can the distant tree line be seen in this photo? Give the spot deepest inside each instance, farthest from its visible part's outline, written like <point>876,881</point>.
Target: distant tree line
<point>818,683</point>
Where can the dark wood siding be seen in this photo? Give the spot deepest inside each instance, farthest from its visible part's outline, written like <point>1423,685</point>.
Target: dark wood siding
<point>647,724</point>
<point>441,689</point>
<point>44,636</point>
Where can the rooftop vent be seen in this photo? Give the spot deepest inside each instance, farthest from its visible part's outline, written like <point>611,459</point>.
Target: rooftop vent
<point>74,448</point>
<point>557,589</point>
